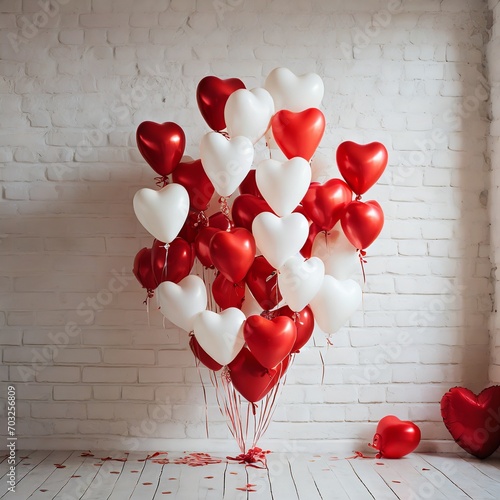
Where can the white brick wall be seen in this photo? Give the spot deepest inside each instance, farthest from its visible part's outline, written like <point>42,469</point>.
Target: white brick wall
<point>90,371</point>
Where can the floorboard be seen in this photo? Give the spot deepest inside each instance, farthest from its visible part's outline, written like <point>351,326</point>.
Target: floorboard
<point>77,475</point>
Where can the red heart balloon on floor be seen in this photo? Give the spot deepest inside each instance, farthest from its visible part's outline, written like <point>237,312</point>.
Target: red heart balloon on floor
<point>212,94</point>
<point>246,207</point>
<point>262,281</point>
<point>325,203</point>
<point>304,323</point>
<point>270,340</point>
<point>180,260</point>
<point>249,185</point>
<point>161,145</point>
<point>202,245</point>
<point>228,294</point>
<point>252,380</point>
<point>395,438</point>
<point>298,134</point>
<point>233,252</point>
<point>473,421</point>
<point>143,270</point>
<point>362,223</point>
<point>200,354</point>
<point>361,165</point>
<point>192,176</point>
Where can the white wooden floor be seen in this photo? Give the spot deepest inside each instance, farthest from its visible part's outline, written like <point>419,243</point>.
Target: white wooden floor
<point>66,475</point>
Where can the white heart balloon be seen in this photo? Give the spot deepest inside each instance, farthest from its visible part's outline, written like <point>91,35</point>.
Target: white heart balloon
<point>292,92</point>
<point>250,305</point>
<point>299,280</point>
<point>226,162</point>
<point>163,212</point>
<point>181,303</point>
<point>249,113</point>
<point>278,238</point>
<point>335,303</point>
<point>283,184</point>
<point>220,335</point>
<point>340,257</point>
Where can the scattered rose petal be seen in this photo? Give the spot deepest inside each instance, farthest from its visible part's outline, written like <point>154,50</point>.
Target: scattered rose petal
<point>43,491</point>
<point>197,460</point>
<point>147,484</point>
<point>209,477</point>
<point>379,463</point>
<point>234,473</point>
<point>133,471</point>
<point>423,468</point>
<point>172,478</point>
<point>60,466</point>
<point>86,454</point>
<point>105,459</point>
<point>97,465</point>
<point>114,472</point>
<point>76,476</point>
<point>155,454</point>
<point>161,461</point>
<point>394,481</point>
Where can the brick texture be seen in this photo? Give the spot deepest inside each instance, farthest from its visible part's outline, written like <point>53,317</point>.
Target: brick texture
<point>74,85</point>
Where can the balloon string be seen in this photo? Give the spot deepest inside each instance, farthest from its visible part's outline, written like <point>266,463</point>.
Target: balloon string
<point>224,207</point>
<point>164,271</point>
<point>197,362</point>
<point>161,181</point>
<point>223,407</point>
<point>322,367</point>
<point>202,219</point>
<point>362,261</point>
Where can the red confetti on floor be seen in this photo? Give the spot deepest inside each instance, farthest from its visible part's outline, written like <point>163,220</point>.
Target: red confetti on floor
<point>86,454</point>
<point>114,472</point>
<point>250,490</point>
<point>105,459</point>
<point>209,477</point>
<point>394,481</point>
<point>154,455</point>
<point>147,484</point>
<point>172,479</point>
<point>423,468</point>
<point>134,471</point>
<point>234,473</point>
<point>60,466</point>
<point>162,461</point>
<point>98,465</point>
<point>76,476</point>
<point>43,491</point>
<point>379,463</point>
<point>197,460</point>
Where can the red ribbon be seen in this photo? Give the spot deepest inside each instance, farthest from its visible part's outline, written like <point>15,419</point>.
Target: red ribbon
<point>161,181</point>
<point>252,457</point>
<point>359,454</point>
<point>363,261</point>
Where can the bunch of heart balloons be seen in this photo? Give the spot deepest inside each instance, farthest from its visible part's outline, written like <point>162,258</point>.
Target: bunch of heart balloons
<point>276,249</point>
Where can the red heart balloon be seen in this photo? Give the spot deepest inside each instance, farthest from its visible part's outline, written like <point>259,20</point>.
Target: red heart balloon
<point>270,340</point>
<point>192,176</point>
<point>306,250</point>
<point>252,380</point>
<point>220,221</point>
<point>325,203</point>
<point>395,438</point>
<point>262,281</point>
<point>212,94</point>
<point>190,228</point>
<point>228,294</point>
<point>180,260</point>
<point>298,134</point>
<point>304,323</point>
<point>233,252</point>
<point>202,245</point>
<point>200,354</point>
<point>143,270</point>
<point>161,145</point>
<point>249,185</point>
<point>473,421</point>
<point>245,208</point>
<point>362,223</point>
<point>361,165</point>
